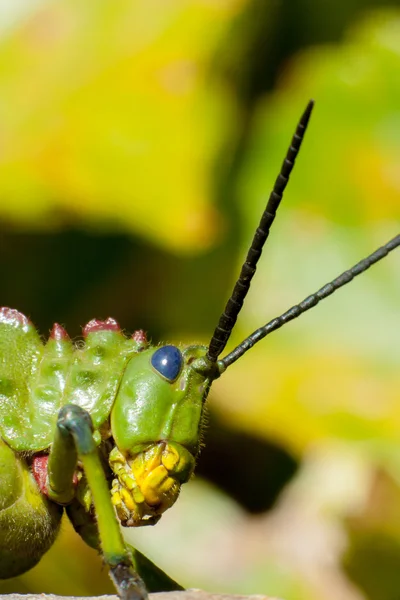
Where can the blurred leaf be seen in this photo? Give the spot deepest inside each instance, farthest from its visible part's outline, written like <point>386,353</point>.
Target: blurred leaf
<point>108,114</point>
<point>350,159</point>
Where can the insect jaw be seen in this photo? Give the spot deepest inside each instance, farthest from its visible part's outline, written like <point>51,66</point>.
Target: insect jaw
<point>147,484</point>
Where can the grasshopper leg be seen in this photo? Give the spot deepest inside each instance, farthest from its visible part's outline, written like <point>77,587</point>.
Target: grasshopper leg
<point>74,441</point>
<point>84,523</point>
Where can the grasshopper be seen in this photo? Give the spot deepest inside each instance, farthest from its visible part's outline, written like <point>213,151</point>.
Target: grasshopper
<point>110,429</point>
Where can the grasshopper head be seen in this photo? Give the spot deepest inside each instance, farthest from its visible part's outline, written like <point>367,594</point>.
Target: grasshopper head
<point>161,397</point>
<point>156,423</point>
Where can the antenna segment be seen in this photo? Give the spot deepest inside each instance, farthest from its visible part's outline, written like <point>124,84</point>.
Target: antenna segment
<point>309,302</point>
<point>235,302</point>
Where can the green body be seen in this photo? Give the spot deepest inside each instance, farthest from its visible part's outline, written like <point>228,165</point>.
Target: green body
<point>143,428</point>
<point>29,522</point>
<point>109,374</point>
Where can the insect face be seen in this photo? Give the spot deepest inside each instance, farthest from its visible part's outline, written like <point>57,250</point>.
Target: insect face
<point>156,423</point>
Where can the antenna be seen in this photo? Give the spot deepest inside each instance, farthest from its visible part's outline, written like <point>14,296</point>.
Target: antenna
<point>235,302</point>
<point>309,302</point>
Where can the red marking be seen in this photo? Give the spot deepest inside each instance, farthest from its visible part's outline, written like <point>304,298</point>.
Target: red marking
<point>58,333</point>
<point>140,336</point>
<point>13,317</point>
<point>39,470</point>
<point>97,325</point>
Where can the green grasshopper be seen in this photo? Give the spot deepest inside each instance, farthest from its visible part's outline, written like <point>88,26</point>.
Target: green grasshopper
<point>110,429</point>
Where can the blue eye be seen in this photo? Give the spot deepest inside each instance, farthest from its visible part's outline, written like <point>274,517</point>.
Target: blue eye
<point>168,362</point>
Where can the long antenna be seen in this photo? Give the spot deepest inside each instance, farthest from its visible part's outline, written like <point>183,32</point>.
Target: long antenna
<point>235,302</point>
<point>310,301</point>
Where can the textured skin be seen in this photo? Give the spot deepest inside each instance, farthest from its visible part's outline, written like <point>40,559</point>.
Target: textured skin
<point>36,380</point>
<point>148,484</point>
<point>106,373</point>
<point>29,522</point>
<point>145,429</point>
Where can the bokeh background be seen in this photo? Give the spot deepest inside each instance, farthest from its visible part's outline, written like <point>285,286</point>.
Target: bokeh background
<point>139,140</point>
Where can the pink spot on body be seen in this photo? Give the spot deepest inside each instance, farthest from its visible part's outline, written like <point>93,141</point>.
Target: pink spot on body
<point>58,333</point>
<point>39,470</point>
<point>109,324</point>
<point>13,317</point>
<point>140,336</point>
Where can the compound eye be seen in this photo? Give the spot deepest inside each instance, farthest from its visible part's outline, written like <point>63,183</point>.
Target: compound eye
<point>168,362</point>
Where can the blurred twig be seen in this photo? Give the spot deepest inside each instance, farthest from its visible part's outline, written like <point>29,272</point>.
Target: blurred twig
<point>185,595</point>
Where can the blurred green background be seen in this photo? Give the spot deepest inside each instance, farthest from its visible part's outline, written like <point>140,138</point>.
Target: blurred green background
<point>139,140</point>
